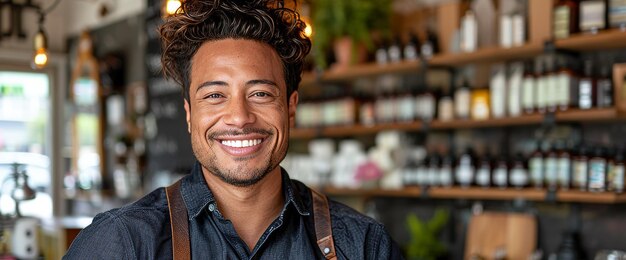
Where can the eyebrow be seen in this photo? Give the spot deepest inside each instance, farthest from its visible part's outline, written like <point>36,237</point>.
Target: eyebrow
<point>249,83</point>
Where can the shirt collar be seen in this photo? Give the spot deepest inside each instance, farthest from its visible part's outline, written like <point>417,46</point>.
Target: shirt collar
<point>198,196</point>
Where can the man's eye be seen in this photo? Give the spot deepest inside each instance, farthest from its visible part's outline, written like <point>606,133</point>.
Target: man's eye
<point>214,95</point>
<point>260,94</point>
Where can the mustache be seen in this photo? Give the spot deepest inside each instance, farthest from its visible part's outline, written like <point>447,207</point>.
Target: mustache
<point>236,132</point>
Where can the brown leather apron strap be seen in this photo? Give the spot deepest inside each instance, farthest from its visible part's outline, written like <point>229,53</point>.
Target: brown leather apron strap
<point>179,222</point>
<point>323,230</point>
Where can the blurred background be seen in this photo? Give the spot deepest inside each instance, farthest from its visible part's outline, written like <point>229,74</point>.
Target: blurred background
<point>472,129</point>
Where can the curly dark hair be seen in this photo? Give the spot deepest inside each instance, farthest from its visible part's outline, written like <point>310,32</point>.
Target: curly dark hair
<point>199,21</point>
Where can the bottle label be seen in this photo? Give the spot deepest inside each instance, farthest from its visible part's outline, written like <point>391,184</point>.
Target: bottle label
<point>618,178</point>
<point>519,177</point>
<point>561,22</point>
<point>552,94</point>
<point>550,171</point>
<point>563,89</point>
<point>482,177</point>
<point>465,171</point>
<point>597,174</point>
<point>528,93</point>
<point>445,176</point>
<point>541,89</point>
<point>564,170</point>
<point>536,171</point>
<point>499,177</point>
<point>585,94</point>
<point>410,52</point>
<point>592,15</point>
<point>579,174</point>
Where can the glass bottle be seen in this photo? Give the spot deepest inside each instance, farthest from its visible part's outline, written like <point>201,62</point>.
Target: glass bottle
<point>410,51</point>
<point>580,168</point>
<point>617,14</point>
<point>541,87</point>
<point>616,172</point>
<point>462,101</point>
<point>565,18</point>
<point>469,31</point>
<point>597,171</point>
<point>550,168</point>
<point>501,173</point>
<point>528,88</point>
<point>592,16</point>
<point>394,51</point>
<point>566,80</point>
<point>445,171</point>
<point>483,171</point>
<point>535,166</point>
<point>465,168</point>
<point>430,47</point>
<point>604,90</point>
<point>433,170</point>
<point>564,167</point>
<point>552,97</point>
<point>518,176</point>
<point>587,87</point>
<point>382,57</point>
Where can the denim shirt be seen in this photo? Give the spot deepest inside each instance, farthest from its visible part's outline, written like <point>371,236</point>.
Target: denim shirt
<point>141,230</point>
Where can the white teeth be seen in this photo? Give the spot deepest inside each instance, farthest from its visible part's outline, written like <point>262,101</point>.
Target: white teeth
<point>241,143</point>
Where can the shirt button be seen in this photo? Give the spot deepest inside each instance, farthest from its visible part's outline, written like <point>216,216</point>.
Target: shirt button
<point>211,207</point>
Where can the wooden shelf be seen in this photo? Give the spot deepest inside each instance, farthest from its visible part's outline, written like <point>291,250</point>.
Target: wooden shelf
<point>590,115</point>
<point>408,192</point>
<point>490,54</point>
<point>492,122</point>
<point>477,193</point>
<point>604,40</point>
<point>590,197</point>
<point>574,115</point>
<point>492,193</point>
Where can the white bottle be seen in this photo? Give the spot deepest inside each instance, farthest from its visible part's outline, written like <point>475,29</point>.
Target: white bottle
<point>515,89</point>
<point>498,87</point>
<point>469,32</point>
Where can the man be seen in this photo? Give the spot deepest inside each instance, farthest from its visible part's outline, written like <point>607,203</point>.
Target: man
<point>239,63</point>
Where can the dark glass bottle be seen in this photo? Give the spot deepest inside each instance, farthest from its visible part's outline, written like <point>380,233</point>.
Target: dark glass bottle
<point>550,168</point>
<point>597,171</point>
<point>616,172</point>
<point>529,95</point>
<point>580,168</point>
<point>446,177</point>
<point>433,169</point>
<point>411,48</point>
<point>394,51</point>
<point>501,173</point>
<point>536,166</point>
<point>587,87</point>
<point>465,168</point>
<point>564,167</point>
<point>604,90</point>
<point>483,171</point>
<point>567,88</point>
<point>565,18</point>
<point>518,175</point>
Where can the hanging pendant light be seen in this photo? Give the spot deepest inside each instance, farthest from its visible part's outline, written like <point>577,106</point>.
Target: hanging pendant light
<point>40,46</point>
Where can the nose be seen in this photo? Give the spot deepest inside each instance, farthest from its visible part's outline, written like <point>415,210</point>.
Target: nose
<point>238,113</point>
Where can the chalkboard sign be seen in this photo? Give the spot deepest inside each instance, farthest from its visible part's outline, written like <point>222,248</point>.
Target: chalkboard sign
<point>169,150</point>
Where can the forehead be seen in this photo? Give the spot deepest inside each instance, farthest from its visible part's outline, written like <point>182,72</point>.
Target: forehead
<point>236,59</point>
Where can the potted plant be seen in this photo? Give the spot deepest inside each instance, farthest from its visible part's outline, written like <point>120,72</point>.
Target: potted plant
<point>346,26</point>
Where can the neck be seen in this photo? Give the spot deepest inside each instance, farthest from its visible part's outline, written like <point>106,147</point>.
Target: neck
<point>251,209</point>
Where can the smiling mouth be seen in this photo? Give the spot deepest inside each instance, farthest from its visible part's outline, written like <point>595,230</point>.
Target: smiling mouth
<point>241,143</point>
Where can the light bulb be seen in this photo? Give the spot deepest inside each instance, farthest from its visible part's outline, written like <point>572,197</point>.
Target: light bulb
<point>41,50</point>
<point>308,30</point>
<point>41,58</point>
<point>171,6</point>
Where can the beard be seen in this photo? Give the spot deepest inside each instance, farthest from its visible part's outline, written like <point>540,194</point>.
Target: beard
<point>241,174</point>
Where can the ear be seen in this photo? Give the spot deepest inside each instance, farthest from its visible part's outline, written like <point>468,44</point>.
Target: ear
<point>293,104</point>
<point>187,115</point>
